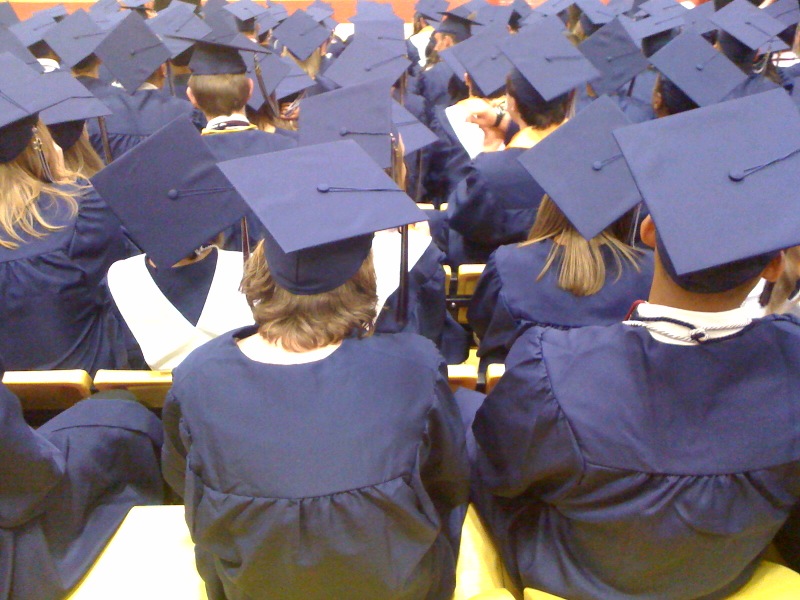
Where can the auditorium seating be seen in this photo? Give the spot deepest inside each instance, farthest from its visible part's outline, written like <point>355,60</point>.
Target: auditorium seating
<point>48,390</point>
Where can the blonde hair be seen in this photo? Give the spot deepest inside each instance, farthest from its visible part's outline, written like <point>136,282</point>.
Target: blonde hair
<point>582,268</point>
<point>81,158</point>
<point>220,95</point>
<point>311,65</point>
<point>24,180</point>
<point>302,323</point>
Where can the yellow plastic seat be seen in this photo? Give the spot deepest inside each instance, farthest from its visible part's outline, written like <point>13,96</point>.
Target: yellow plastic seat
<point>462,375</point>
<point>149,387</point>
<point>425,206</point>
<point>493,374</point>
<point>150,556</point>
<point>468,276</point>
<point>49,390</point>
<point>479,573</point>
<point>771,581</point>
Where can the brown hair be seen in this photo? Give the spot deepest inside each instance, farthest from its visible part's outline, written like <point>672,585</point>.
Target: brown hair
<point>220,95</point>
<point>23,180</point>
<point>82,158</point>
<point>302,323</point>
<point>582,267</point>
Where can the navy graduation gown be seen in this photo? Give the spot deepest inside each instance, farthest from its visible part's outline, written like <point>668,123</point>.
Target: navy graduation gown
<point>612,465</point>
<point>432,84</point>
<point>495,204</point>
<point>634,108</point>
<point>447,162</point>
<point>65,488</point>
<point>509,298</point>
<point>344,477</point>
<point>137,116</point>
<point>55,309</point>
<point>234,144</point>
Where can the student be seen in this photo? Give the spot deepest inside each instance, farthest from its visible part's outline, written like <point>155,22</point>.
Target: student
<point>578,266</point>
<point>658,457</point>
<point>57,241</point>
<point>66,486</point>
<point>317,460</point>
<point>185,290</point>
<point>496,202</point>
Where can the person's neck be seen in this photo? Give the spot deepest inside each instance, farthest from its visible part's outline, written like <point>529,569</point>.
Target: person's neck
<point>666,292</point>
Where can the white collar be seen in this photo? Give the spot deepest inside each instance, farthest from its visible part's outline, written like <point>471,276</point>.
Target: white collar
<point>709,325</point>
<point>49,65</point>
<point>212,123</point>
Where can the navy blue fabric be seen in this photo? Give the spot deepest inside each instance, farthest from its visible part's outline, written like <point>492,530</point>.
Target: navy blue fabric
<point>137,116</point>
<point>509,299</point>
<point>238,144</point>
<point>635,109</point>
<point>495,204</point>
<point>427,314</point>
<point>186,287</point>
<point>341,478</point>
<point>612,465</point>
<point>432,85</point>
<point>446,161</point>
<point>66,487</point>
<point>55,309</point>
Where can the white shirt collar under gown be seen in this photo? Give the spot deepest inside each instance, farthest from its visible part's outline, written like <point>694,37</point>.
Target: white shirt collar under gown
<point>713,324</point>
<point>386,257</point>
<point>163,333</point>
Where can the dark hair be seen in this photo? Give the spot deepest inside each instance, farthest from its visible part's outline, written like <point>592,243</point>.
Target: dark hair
<point>673,99</point>
<point>535,110</point>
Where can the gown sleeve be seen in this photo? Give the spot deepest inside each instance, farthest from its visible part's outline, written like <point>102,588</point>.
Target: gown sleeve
<point>174,451</point>
<point>525,442</point>
<point>484,299</point>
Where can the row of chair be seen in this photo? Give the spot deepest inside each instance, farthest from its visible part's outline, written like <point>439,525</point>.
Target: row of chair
<point>152,556</point>
<point>58,390</point>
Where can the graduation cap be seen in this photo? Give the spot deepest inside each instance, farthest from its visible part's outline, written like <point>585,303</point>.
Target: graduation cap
<point>74,38</point>
<point>332,116</point>
<point>32,30</point>
<point>700,71</point>
<point>456,22</point>
<point>212,6</point>
<point>390,33</point>
<point>547,60</point>
<point>273,71</point>
<point>244,10</point>
<point>662,8</point>
<point>107,20</point>
<point>600,188</point>
<point>320,205</point>
<point>294,82</point>
<point>56,13</point>
<point>431,10</point>
<point>729,198</point>
<point>412,132</point>
<point>379,11</point>
<point>301,34</point>
<point>751,26</point>
<point>698,18</point>
<point>365,59</point>
<point>615,55</point>
<point>178,26</point>
<point>11,44</point>
<point>76,104</point>
<point>322,13</point>
<point>598,13</point>
<point>104,7</point>
<point>551,8</point>
<point>177,198</point>
<point>8,16</point>
<point>495,17</point>
<point>788,13</point>
<point>481,58</point>
<point>218,53</point>
<point>23,95</point>
<point>132,52</point>
<point>449,59</point>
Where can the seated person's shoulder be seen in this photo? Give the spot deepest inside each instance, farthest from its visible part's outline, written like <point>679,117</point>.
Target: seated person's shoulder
<point>408,348</point>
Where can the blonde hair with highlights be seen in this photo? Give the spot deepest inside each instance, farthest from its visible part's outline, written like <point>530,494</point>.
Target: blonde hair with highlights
<point>303,323</point>
<point>23,181</point>
<point>582,268</point>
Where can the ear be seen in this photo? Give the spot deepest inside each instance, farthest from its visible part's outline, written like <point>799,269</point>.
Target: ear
<point>190,96</point>
<point>648,232</point>
<point>775,268</point>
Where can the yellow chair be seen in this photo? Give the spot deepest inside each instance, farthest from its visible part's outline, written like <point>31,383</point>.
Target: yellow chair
<point>462,375</point>
<point>49,390</point>
<point>424,206</point>
<point>479,573</point>
<point>448,278</point>
<point>150,556</point>
<point>771,581</point>
<point>443,206</point>
<point>149,387</point>
<point>468,276</point>
<point>493,374</point>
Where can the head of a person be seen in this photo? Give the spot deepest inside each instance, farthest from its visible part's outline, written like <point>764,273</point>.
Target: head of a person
<point>87,67</point>
<point>305,321</point>
<point>581,262</point>
<point>669,99</point>
<point>30,165</point>
<point>524,102</point>
<point>79,156</point>
<point>734,279</point>
<point>220,95</point>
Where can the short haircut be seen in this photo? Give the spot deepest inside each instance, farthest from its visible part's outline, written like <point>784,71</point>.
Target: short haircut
<point>305,322</point>
<point>535,110</point>
<point>220,95</point>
